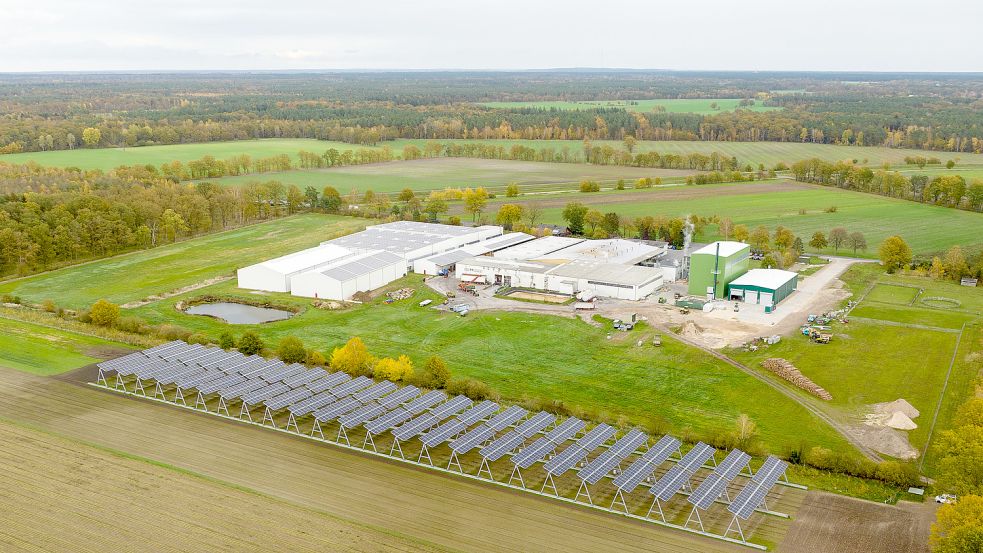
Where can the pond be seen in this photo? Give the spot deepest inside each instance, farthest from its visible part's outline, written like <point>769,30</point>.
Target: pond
<point>239,314</point>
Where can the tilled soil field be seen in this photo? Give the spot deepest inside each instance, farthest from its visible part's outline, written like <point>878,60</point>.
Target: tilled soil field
<point>61,495</point>
<point>828,523</point>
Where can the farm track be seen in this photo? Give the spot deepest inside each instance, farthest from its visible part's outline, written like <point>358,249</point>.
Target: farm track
<point>450,512</point>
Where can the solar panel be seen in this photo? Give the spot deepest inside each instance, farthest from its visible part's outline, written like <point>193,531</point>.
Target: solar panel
<point>498,448</point>
<point>229,358</point>
<point>608,460</point>
<point>283,373</point>
<point>451,407</point>
<point>414,427</point>
<point>375,392</point>
<point>177,375</point>
<point>732,464</point>
<point>388,420</point>
<point>312,403</point>
<point>478,412</point>
<point>398,397</point>
<point>288,398</point>
<point>271,368</point>
<point>193,381</point>
<point>532,453</point>
<point>472,439</point>
<point>565,430</point>
<point>305,377</point>
<point>337,409</point>
<point>221,383</point>
<point>350,387</point>
<point>264,393</point>
<point>506,418</point>
<point>579,450</point>
<point>361,415</point>
<point>708,491</point>
<point>442,433</point>
<point>755,491</point>
<point>536,423</point>
<point>425,401</point>
<point>677,476</point>
<point>240,388</point>
<point>328,382</point>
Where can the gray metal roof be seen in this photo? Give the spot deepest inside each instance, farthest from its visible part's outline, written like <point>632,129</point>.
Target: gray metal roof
<point>362,266</point>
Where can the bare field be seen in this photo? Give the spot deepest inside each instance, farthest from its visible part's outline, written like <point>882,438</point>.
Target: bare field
<point>433,508</point>
<point>61,495</point>
<point>828,523</point>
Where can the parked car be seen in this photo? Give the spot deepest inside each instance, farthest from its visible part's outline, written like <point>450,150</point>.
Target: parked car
<point>945,498</point>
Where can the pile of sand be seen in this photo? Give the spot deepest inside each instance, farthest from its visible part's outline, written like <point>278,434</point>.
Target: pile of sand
<point>894,414</point>
<point>887,441</point>
<point>891,407</point>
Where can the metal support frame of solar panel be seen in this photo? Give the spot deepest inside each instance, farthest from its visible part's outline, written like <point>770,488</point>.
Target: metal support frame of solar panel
<point>715,485</point>
<point>400,415</point>
<point>642,468</point>
<point>236,390</point>
<point>538,449</point>
<point>333,411</point>
<point>361,415</point>
<point>504,444</point>
<point>309,405</point>
<point>327,382</point>
<point>260,395</point>
<point>678,476</point>
<point>752,496</point>
<point>579,450</point>
<point>172,377</point>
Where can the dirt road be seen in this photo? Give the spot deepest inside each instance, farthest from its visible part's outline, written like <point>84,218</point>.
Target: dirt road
<point>416,503</point>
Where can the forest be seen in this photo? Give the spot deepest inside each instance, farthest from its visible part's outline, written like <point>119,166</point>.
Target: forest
<point>936,112</point>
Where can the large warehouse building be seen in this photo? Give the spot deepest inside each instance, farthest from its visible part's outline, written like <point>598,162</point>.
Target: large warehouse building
<point>604,268</point>
<point>362,261</point>
<point>714,266</point>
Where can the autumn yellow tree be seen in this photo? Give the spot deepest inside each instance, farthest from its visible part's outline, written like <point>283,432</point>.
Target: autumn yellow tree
<point>396,370</point>
<point>353,358</point>
<point>958,527</point>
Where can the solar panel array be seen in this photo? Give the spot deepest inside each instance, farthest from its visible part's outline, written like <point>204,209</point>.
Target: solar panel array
<point>579,450</point>
<point>538,449</point>
<point>677,476</point>
<point>426,421</point>
<point>753,494</point>
<point>499,447</point>
<point>714,485</point>
<point>607,461</point>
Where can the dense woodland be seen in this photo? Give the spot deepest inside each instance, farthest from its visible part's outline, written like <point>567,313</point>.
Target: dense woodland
<point>41,112</point>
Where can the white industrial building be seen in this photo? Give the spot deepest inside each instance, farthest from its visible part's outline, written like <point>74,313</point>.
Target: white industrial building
<point>367,260</point>
<point>604,268</point>
<point>446,261</point>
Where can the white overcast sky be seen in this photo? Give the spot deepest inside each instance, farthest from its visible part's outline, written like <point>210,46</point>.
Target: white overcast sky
<point>823,35</point>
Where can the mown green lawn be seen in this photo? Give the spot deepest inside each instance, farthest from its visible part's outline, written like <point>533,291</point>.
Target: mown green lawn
<point>541,356</point>
<point>45,351</point>
<point>131,277</point>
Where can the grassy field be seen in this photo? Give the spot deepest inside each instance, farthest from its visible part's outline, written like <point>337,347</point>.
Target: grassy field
<point>108,158</point>
<point>768,153</point>
<point>893,352</point>
<point>527,355</point>
<point>926,228</point>
<point>45,351</point>
<point>439,173</point>
<point>131,277</point>
<point>701,106</point>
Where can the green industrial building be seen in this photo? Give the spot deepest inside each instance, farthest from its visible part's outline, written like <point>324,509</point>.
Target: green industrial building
<point>713,267</point>
<point>763,286</point>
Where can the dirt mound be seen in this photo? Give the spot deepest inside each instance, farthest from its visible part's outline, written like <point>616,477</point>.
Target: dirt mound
<point>787,371</point>
<point>891,407</point>
<point>900,421</point>
<point>691,330</point>
<point>886,440</point>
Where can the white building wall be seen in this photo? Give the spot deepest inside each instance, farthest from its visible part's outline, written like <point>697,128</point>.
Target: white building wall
<point>315,284</point>
<point>260,277</point>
